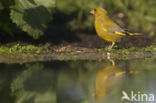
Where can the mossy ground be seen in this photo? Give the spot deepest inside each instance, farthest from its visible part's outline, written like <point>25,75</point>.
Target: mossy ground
<point>27,53</point>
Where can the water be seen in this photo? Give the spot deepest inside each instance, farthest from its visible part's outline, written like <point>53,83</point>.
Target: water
<point>105,81</point>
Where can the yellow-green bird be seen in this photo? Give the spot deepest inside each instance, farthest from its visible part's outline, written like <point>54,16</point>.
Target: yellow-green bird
<point>107,29</point>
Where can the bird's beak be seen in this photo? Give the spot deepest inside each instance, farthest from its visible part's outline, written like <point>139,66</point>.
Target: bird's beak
<point>92,12</point>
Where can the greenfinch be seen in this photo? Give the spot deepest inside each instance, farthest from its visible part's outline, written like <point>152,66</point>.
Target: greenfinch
<point>107,29</point>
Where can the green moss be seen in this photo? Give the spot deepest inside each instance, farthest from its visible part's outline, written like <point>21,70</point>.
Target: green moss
<point>18,49</point>
<point>129,53</point>
<point>151,48</point>
<point>102,50</point>
<point>68,56</point>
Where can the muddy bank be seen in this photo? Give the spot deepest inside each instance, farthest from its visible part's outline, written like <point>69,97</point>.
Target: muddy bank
<point>75,53</point>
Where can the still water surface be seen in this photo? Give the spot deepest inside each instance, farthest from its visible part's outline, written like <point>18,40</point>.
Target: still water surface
<point>102,81</point>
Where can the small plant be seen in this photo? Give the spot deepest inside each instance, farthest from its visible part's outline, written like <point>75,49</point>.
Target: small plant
<point>31,16</point>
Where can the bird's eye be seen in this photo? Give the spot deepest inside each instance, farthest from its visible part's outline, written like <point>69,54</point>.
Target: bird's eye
<point>95,10</point>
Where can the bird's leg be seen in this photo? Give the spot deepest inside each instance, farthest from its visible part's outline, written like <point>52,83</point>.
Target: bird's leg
<point>110,47</point>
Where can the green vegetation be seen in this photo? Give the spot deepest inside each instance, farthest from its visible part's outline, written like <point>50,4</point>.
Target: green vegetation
<point>150,48</point>
<point>33,16</point>
<point>136,15</point>
<point>18,49</point>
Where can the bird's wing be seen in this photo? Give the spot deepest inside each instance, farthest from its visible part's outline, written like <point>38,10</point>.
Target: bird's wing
<point>120,31</point>
<point>112,27</point>
<point>117,30</point>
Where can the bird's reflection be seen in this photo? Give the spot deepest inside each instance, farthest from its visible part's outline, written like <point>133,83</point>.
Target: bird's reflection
<point>108,77</point>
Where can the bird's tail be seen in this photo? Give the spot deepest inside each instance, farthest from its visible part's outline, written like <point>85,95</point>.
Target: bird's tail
<point>132,34</point>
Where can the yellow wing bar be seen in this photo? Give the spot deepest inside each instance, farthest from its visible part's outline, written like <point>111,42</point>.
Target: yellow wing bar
<point>132,33</point>
<point>119,33</point>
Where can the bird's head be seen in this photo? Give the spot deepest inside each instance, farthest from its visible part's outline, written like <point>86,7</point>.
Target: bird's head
<point>98,12</point>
